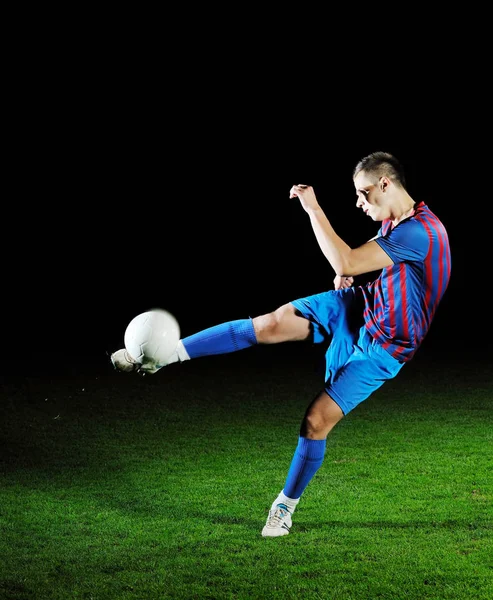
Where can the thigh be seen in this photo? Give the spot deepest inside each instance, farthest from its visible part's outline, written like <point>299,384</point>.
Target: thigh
<point>332,313</point>
<point>368,367</point>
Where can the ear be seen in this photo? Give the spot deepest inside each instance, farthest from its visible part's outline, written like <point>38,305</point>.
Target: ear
<point>384,183</point>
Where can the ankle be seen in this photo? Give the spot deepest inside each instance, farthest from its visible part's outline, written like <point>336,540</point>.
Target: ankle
<point>290,503</point>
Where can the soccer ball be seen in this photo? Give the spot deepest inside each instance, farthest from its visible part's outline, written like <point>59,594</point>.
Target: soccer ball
<point>151,337</point>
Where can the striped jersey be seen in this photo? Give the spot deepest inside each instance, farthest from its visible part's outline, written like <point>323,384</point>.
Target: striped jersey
<point>401,302</point>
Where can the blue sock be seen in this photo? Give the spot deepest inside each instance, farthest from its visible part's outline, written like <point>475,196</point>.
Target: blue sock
<point>307,459</point>
<point>221,339</point>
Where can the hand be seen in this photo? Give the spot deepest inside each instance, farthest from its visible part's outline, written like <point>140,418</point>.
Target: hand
<point>341,283</point>
<point>306,196</point>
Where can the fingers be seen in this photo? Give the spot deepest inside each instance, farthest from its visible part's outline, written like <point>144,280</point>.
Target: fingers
<point>296,190</point>
<point>341,283</point>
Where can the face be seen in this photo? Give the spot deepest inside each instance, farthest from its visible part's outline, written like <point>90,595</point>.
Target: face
<point>371,196</point>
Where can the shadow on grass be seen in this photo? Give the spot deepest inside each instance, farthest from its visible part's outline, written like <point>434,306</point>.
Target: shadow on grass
<point>452,524</point>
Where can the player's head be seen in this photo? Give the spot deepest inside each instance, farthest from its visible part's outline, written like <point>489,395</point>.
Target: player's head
<point>381,164</point>
<point>379,181</point>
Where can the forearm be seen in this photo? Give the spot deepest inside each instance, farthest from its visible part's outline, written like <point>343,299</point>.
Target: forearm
<point>335,250</point>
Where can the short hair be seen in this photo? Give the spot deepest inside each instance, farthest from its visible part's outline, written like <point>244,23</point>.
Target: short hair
<point>382,164</point>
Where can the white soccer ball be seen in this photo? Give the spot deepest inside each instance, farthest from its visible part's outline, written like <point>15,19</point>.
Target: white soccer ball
<point>152,336</point>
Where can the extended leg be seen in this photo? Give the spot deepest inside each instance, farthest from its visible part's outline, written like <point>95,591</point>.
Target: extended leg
<point>282,325</point>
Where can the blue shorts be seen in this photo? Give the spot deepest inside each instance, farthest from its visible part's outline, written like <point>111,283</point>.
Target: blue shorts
<point>355,364</point>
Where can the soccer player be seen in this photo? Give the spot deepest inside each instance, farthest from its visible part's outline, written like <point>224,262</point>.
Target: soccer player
<point>371,330</point>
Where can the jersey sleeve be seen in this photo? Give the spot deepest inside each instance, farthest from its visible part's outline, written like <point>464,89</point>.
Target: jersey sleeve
<point>406,242</point>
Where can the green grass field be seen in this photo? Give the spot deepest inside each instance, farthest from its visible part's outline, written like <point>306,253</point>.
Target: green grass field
<point>120,487</point>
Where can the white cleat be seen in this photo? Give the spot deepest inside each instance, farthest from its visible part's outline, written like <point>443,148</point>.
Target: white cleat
<point>122,361</point>
<point>278,522</point>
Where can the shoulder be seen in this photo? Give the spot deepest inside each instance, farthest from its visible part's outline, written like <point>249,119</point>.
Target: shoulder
<point>407,241</point>
<point>411,232</point>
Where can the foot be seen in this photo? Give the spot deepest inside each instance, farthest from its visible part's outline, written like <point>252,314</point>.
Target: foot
<point>278,522</point>
<point>122,361</point>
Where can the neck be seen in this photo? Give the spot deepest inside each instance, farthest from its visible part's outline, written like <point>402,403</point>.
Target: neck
<point>405,210</point>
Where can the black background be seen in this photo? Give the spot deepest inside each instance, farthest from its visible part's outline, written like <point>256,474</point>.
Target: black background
<point>131,192</point>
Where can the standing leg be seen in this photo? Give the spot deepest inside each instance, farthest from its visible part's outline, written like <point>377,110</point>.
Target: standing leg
<point>321,416</point>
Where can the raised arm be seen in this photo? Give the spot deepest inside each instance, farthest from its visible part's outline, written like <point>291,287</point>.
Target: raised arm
<point>346,261</point>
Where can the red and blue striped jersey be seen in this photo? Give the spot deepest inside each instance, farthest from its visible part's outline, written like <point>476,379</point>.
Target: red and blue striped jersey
<point>401,303</point>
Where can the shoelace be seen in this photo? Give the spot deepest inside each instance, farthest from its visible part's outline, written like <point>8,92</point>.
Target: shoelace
<point>277,518</point>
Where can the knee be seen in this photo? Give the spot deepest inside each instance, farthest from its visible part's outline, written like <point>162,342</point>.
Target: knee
<point>266,327</point>
<point>320,420</point>
<point>314,426</point>
<point>281,325</point>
